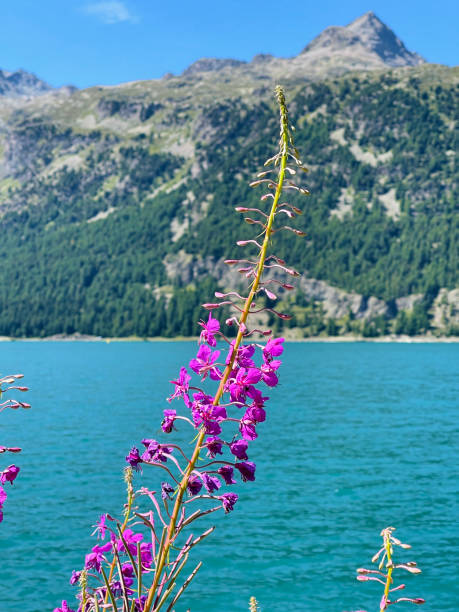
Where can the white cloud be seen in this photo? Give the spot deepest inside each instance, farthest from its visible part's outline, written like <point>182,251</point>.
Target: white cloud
<point>110,12</point>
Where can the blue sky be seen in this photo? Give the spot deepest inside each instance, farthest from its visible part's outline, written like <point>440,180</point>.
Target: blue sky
<point>90,42</point>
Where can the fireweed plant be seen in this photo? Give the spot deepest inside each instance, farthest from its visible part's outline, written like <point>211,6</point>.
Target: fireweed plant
<point>385,557</point>
<point>127,572</point>
<point>10,472</point>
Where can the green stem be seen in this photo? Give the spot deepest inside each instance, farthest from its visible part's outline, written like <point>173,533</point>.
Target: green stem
<point>164,552</point>
<point>121,529</point>
<point>389,574</point>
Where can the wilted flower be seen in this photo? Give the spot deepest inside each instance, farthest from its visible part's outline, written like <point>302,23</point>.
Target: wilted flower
<point>134,458</point>
<point>246,469</point>
<point>166,490</point>
<point>75,577</point>
<point>194,485</point>
<point>214,446</point>
<point>100,526</point>
<point>228,500</point>
<point>226,472</point>
<point>212,483</point>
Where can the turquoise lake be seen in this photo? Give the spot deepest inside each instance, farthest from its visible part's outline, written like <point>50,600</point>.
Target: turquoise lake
<point>358,437</point>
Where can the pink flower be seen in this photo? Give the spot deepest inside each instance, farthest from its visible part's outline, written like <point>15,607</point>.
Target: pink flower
<point>239,449</point>
<point>205,413</point>
<point>3,497</point>
<point>9,474</point>
<point>273,348</point>
<point>203,363</point>
<point>247,428</point>
<point>131,540</point>
<point>243,357</point>
<point>209,330</point>
<point>95,558</point>
<point>181,387</point>
<point>146,554</point>
<point>242,383</point>
<point>214,446</point>
<point>100,526</point>
<point>168,422</point>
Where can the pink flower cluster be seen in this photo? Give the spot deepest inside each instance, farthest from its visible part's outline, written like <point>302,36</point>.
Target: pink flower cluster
<point>243,403</point>
<point>126,548</point>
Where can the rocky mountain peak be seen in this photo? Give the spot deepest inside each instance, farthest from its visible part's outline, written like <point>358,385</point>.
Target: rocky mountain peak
<point>365,44</point>
<point>369,35</point>
<point>19,84</point>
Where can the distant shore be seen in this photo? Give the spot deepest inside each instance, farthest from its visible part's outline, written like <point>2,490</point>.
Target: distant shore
<point>288,336</point>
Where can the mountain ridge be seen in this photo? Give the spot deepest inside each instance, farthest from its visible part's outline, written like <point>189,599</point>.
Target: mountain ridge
<point>366,43</point>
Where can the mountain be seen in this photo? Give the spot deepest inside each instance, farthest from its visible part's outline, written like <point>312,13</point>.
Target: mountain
<point>117,203</point>
<point>365,44</point>
<point>366,38</point>
<point>21,84</point>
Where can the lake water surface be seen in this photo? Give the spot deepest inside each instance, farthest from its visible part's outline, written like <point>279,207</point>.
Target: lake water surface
<point>359,436</point>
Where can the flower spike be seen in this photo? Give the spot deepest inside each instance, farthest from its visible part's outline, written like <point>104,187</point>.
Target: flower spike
<point>385,558</point>
<point>135,573</point>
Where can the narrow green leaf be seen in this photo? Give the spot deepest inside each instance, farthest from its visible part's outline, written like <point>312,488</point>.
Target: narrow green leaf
<point>109,590</point>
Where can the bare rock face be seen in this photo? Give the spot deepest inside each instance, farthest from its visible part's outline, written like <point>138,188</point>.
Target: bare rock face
<point>376,37</point>
<point>21,84</point>
<point>338,303</point>
<point>408,302</point>
<point>446,309</point>
<point>127,109</point>
<point>368,38</point>
<point>365,44</point>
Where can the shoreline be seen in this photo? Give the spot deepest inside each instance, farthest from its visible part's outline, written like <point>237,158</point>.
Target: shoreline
<point>424,339</point>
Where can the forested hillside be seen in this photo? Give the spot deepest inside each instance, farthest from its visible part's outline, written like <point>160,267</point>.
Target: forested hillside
<point>118,203</point>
